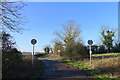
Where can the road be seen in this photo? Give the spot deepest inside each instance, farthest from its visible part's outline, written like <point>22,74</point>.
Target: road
<point>58,70</point>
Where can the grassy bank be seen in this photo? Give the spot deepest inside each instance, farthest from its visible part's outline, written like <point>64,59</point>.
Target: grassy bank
<point>38,72</point>
<point>106,69</point>
<point>107,66</point>
<point>23,68</point>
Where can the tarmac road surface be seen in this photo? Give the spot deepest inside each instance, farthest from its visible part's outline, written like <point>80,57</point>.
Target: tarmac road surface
<point>57,70</point>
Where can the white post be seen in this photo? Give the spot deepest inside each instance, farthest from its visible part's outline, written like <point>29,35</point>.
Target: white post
<point>33,41</point>
<point>33,56</point>
<point>90,57</point>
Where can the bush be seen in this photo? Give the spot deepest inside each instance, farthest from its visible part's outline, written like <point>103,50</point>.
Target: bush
<point>116,48</point>
<point>76,52</point>
<point>58,46</point>
<point>10,59</point>
<point>19,66</point>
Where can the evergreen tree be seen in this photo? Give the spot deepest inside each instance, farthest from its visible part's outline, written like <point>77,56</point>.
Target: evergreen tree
<point>108,39</point>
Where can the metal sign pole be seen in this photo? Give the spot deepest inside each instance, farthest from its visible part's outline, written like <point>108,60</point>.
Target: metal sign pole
<point>90,57</point>
<point>33,56</point>
<point>33,41</point>
<point>90,42</point>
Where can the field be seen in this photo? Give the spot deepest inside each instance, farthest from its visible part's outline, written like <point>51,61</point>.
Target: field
<point>106,55</point>
<point>107,66</point>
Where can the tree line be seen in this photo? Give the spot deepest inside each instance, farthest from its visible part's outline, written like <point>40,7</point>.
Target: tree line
<point>72,47</point>
<point>11,18</point>
<point>68,43</point>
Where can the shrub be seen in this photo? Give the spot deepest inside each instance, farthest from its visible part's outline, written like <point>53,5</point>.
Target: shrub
<point>9,60</point>
<point>76,52</point>
<point>58,46</point>
<point>19,66</point>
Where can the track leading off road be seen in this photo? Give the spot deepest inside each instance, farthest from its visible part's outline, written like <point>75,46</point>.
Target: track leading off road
<point>57,70</point>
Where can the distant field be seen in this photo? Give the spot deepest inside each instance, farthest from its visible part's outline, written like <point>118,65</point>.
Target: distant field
<point>30,53</point>
<point>106,55</point>
<point>25,54</point>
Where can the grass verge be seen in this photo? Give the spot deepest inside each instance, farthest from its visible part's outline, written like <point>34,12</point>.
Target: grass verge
<point>82,64</point>
<point>40,71</point>
<point>21,67</point>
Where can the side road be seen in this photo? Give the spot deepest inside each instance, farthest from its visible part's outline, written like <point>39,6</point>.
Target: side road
<point>58,70</point>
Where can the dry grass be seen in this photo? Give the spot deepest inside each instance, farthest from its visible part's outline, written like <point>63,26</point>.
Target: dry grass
<point>107,66</point>
<point>29,69</point>
<point>106,54</point>
<point>23,68</point>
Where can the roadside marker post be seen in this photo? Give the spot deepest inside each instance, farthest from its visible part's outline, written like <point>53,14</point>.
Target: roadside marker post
<point>33,41</point>
<point>90,57</point>
<point>90,42</point>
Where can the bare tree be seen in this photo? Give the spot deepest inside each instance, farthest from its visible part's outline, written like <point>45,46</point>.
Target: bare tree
<point>10,16</point>
<point>73,48</point>
<point>71,32</point>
